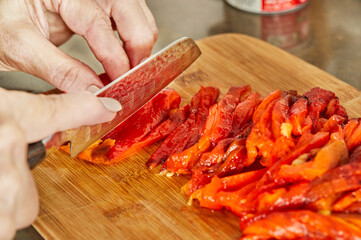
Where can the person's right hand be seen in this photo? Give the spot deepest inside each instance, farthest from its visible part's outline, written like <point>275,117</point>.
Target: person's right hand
<point>26,118</point>
<point>31,30</point>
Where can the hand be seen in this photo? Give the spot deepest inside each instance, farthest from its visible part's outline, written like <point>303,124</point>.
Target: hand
<point>18,196</point>
<point>22,123</point>
<point>31,29</point>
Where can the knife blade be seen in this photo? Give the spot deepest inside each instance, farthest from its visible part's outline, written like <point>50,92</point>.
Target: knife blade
<point>133,90</point>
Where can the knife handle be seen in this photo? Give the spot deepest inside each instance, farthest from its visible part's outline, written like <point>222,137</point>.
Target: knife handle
<point>36,153</point>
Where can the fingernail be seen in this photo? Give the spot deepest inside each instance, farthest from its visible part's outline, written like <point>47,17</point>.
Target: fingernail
<point>93,89</point>
<point>111,104</point>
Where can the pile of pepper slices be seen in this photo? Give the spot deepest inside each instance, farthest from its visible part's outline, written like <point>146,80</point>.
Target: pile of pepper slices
<point>288,165</point>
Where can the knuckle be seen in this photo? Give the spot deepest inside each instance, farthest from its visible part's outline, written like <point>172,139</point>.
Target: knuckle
<point>143,40</point>
<point>65,76</point>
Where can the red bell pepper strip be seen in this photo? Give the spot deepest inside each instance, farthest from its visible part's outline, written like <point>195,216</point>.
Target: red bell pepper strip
<point>210,164</point>
<point>306,143</point>
<point>188,131</point>
<point>301,224</point>
<point>298,113</point>
<point>338,180</point>
<point>211,196</point>
<point>142,122</point>
<point>217,127</point>
<point>201,176</point>
<point>244,112</point>
<point>236,160</point>
<point>104,78</point>
<point>335,108</point>
<point>329,157</point>
<point>354,219</point>
<point>352,134</point>
<point>355,155</point>
<point>217,154</point>
<point>318,99</point>
<point>97,152</point>
<point>270,138</point>
<point>219,124</point>
<point>354,208</point>
<point>158,133</point>
<point>347,200</point>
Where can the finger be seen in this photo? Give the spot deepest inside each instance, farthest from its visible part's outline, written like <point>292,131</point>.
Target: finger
<point>36,55</point>
<point>95,26</point>
<point>9,179</point>
<point>150,18</point>
<point>134,29</point>
<point>13,153</point>
<point>51,113</point>
<point>59,33</point>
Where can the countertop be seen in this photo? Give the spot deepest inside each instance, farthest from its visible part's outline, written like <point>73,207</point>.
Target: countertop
<point>325,33</point>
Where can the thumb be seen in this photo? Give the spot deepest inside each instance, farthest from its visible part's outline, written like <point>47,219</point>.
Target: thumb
<point>42,115</point>
<point>39,57</point>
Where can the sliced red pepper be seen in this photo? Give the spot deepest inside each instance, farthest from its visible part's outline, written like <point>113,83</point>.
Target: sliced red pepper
<point>264,104</point>
<point>306,143</point>
<point>201,176</point>
<point>270,137</point>
<point>302,224</point>
<point>298,113</point>
<point>352,132</point>
<point>244,112</point>
<point>354,219</point>
<point>216,155</point>
<point>212,196</point>
<point>206,96</point>
<point>104,78</point>
<point>189,131</point>
<point>347,200</point>
<point>329,157</point>
<point>217,127</point>
<point>335,108</point>
<point>318,99</point>
<point>97,152</point>
<point>219,123</point>
<point>334,125</point>
<point>285,198</point>
<point>339,180</point>
<point>354,208</point>
<point>236,160</point>
<point>142,122</point>
<point>355,155</point>
<point>158,133</point>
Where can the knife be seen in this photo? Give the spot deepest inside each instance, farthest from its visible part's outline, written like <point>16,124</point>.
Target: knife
<point>133,90</point>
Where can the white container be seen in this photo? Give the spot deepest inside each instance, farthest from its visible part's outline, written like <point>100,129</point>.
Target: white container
<point>267,6</point>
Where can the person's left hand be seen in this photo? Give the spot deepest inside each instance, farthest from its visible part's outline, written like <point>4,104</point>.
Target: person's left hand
<point>30,30</point>
<point>26,118</point>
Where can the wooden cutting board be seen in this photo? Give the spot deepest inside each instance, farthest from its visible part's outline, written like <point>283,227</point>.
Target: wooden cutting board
<point>79,200</point>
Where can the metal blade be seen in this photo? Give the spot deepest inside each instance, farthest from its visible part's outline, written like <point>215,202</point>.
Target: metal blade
<point>133,89</point>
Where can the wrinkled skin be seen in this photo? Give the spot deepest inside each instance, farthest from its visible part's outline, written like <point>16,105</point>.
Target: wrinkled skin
<point>31,30</point>
<point>21,124</point>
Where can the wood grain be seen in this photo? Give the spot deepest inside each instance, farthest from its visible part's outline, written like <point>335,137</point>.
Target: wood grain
<point>79,200</point>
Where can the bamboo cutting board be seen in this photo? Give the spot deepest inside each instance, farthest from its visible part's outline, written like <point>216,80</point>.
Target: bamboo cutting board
<point>79,200</point>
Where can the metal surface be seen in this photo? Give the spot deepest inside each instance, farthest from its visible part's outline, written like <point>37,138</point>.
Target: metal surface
<point>132,90</point>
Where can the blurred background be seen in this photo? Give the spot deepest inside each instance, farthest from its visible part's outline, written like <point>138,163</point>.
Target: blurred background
<point>325,33</point>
